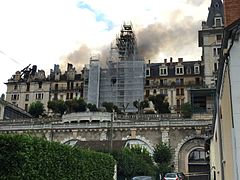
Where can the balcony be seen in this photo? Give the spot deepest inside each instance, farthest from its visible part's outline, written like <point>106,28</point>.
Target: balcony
<point>62,89</point>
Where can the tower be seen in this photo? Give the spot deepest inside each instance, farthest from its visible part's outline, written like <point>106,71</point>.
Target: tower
<point>210,39</point>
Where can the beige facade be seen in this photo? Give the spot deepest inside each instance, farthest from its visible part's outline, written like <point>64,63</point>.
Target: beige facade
<point>173,79</point>
<point>210,39</point>
<point>31,85</point>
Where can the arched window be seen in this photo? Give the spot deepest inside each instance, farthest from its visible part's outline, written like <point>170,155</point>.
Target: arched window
<point>197,155</point>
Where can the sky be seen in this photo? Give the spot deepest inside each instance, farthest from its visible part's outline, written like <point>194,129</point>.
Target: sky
<point>48,32</point>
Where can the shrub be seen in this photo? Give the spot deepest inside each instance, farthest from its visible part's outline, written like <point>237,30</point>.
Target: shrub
<point>26,157</point>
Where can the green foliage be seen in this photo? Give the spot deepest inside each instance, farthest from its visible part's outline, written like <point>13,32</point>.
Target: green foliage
<point>92,107</point>
<point>57,106</point>
<point>162,156</point>
<point>140,105</point>
<point>76,105</point>
<point>36,109</point>
<point>159,103</point>
<point>134,161</point>
<point>186,110</point>
<point>26,157</point>
<point>110,107</point>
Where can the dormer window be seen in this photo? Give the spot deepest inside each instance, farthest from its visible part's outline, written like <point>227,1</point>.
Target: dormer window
<point>179,70</point>
<point>147,72</point>
<point>196,69</point>
<point>163,71</point>
<point>218,22</point>
<point>188,70</point>
<point>218,38</point>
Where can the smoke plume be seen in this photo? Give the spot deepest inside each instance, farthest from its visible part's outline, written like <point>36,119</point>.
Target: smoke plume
<point>171,40</point>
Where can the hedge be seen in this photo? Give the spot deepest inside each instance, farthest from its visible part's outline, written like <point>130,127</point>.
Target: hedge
<point>26,157</point>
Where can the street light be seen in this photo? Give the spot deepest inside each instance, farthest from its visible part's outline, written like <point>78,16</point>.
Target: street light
<point>111,131</point>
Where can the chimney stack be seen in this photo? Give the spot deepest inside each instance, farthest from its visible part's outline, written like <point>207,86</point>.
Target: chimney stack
<point>165,61</point>
<point>231,11</point>
<point>180,60</point>
<point>149,61</point>
<point>171,60</point>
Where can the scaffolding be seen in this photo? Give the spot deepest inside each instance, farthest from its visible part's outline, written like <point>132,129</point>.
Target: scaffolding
<point>122,82</point>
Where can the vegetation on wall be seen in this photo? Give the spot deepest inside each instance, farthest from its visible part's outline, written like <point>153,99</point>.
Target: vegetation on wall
<point>25,157</point>
<point>57,106</point>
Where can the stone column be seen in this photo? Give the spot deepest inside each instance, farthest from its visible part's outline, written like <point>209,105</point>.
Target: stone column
<point>165,136</point>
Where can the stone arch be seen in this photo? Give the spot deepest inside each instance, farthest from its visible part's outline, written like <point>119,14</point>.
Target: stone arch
<point>140,140</point>
<point>187,145</point>
<point>69,139</point>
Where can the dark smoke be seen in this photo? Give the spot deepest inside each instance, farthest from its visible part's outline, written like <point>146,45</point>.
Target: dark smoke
<point>170,40</point>
<point>78,58</point>
<point>82,56</point>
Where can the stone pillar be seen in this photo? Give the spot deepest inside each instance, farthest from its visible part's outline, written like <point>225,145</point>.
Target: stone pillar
<point>165,136</point>
<point>133,133</point>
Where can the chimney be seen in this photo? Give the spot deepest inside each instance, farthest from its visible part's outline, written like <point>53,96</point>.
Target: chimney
<point>149,61</point>
<point>231,11</point>
<point>180,60</point>
<point>171,60</point>
<point>165,61</point>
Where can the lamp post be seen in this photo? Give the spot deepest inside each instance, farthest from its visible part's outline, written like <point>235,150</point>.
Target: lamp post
<point>111,131</point>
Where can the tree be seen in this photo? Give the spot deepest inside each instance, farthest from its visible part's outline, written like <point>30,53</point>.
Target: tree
<point>134,161</point>
<point>36,109</point>
<point>160,105</point>
<point>162,156</point>
<point>110,107</point>
<point>140,105</point>
<point>92,107</point>
<point>76,105</point>
<point>186,110</point>
<point>57,106</point>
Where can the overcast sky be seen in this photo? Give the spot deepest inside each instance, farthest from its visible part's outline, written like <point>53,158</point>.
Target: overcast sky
<point>48,32</point>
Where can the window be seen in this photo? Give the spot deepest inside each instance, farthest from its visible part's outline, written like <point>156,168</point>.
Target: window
<point>196,69</point>
<point>154,91</point>
<point>179,81</point>
<point>147,93</point>
<point>27,97</point>
<point>28,87</point>
<point>216,52</point>
<point>15,97</point>
<point>177,92</point>
<point>56,86</point>
<point>147,72</point>
<point>197,155</point>
<point>182,92</point>
<point>219,38</point>
<point>26,107</point>
<point>188,70</point>
<point>163,71</point>
<point>39,96</point>
<point>147,82</point>
<point>39,85</point>
<point>215,66</point>
<point>15,87</point>
<point>179,70</point>
<point>218,21</point>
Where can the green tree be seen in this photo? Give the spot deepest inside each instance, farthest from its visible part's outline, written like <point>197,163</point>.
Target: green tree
<point>57,106</point>
<point>186,110</point>
<point>140,105</point>
<point>92,107</point>
<point>36,109</point>
<point>110,107</point>
<point>134,161</point>
<point>160,105</point>
<point>76,105</point>
<point>162,156</point>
